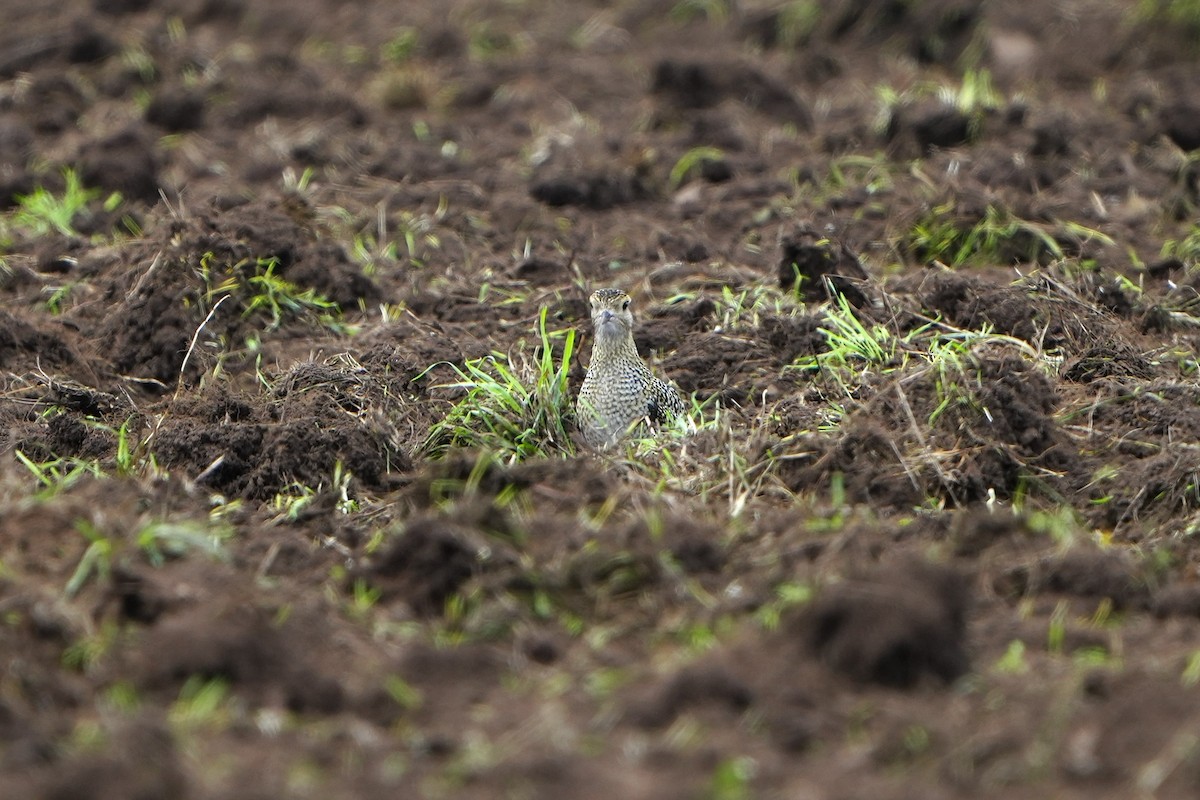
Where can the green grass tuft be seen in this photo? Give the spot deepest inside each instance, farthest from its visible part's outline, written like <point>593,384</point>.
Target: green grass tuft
<point>42,212</point>
<point>518,408</point>
<point>1180,14</point>
<point>259,291</point>
<point>999,238</point>
<point>691,162</point>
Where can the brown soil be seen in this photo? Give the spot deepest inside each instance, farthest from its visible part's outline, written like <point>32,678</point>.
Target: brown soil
<point>229,567</point>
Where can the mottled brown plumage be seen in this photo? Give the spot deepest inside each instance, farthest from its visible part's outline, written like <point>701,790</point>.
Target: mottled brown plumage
<point>619,390</point>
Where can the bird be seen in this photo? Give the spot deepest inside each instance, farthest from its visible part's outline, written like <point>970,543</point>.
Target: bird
<point>619,390</point>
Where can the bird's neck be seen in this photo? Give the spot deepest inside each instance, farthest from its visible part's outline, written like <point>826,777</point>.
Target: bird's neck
<point>605,348</point>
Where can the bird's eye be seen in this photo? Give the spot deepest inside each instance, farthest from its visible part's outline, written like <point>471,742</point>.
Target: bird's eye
<point>625,306</point>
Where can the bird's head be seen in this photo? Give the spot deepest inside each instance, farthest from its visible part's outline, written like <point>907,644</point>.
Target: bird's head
<point>611,318</point>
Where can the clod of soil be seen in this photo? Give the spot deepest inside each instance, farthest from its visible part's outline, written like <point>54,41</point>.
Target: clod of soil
<point>598,192</point>
<point>692,688</point>
<point>423,567</point>
<point>243,645</point>
<point>814,267</point>
<point>929,126</point>
<point>893,626</point>
<point>1085,573</point>
<point>143,762</point>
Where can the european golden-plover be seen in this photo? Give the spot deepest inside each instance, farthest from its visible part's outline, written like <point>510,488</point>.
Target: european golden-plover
<point>619,391</point>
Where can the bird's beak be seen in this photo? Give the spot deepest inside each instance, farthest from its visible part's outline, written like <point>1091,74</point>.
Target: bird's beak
<point>606,316</point>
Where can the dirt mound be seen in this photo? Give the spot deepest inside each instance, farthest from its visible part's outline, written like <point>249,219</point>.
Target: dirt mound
<point>267,258</point>
<point>992,429</point>
<point>22,342</point>
<point>1044,319</point>
<point>325,417</point>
